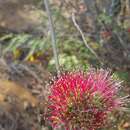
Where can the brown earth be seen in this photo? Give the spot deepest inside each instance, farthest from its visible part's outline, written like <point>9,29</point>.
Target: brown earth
<point>19,15</point>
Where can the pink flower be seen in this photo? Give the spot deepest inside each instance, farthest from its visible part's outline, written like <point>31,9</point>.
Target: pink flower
<point>81,100</point>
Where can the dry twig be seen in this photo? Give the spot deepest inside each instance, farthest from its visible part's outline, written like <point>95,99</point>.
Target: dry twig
<point>83,37</point>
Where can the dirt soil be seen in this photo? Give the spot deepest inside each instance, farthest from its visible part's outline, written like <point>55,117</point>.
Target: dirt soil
<point>18,15</point>
<point>22,96</point>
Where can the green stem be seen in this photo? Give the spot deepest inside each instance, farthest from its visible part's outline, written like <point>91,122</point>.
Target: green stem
<point>53,35</point>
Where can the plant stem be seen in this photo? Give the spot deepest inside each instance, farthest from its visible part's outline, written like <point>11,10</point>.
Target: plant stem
<point>53,35</point>
<point>83,37</point>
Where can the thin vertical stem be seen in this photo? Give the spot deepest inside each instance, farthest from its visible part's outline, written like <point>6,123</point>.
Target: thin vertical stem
<point>53,35</point>
<point>83,37</point>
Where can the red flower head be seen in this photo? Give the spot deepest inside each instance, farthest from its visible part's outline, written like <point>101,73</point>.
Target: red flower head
<point>83,100</point>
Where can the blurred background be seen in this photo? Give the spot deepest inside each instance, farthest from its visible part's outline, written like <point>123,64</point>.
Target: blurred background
<point>87,33</point>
